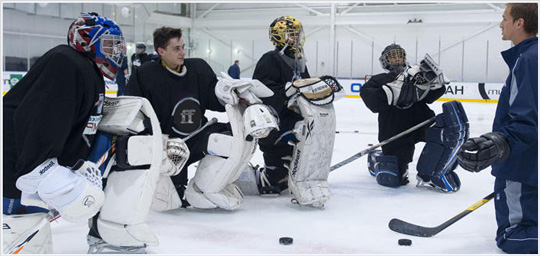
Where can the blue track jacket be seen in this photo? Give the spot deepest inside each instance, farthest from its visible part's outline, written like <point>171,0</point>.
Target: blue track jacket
<point>517,114</point>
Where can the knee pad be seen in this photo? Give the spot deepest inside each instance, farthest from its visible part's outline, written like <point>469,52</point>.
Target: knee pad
<point>134,174</point>
<point>312,154</point>
<point>212,187</point>
<point>384,168</point>
<point>443,141</point>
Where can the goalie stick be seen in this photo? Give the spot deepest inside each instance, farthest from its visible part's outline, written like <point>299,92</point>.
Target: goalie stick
<point>397,136</point>
<point>52,215</point>
<point>211,121</point>
<point>407,228</point>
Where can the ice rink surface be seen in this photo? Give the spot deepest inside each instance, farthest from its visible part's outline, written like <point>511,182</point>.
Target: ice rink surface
<point>354,220</point>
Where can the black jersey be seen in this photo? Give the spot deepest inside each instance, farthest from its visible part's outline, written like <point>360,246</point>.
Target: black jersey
<point>180,101</point>
<point>53,111</point>
<point>393,120</point>
<point>273,71</point>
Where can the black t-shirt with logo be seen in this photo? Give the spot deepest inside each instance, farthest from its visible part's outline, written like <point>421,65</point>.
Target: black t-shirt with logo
<point>180,101</point>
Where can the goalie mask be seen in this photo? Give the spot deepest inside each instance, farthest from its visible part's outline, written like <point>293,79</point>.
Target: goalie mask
<point>394,59</point>
<point>287,31</point>
<point>101,38</point>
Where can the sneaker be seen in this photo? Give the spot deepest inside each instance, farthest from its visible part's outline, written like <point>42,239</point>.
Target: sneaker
<point>98,246</point>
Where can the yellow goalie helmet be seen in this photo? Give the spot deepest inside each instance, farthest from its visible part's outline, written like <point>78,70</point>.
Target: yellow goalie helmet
<point>286,30</point>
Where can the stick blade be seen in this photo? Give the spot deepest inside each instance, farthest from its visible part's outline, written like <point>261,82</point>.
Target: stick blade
<point>407,228</point>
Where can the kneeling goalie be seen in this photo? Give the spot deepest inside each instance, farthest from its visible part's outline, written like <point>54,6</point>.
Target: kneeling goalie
<point>401,97</point>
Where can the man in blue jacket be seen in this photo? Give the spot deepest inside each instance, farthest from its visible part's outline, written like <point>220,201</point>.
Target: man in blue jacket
<point>234,70</point>
<point>512,147</point>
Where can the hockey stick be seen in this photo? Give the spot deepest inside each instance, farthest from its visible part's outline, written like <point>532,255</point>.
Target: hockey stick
<point>52,214</point>
<point>397,136</point>
<point>212,121</point>
<point>407,228</point>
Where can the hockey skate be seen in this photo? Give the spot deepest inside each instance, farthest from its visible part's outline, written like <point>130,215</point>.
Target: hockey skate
<point>98,246</point>
<point>437,183</point>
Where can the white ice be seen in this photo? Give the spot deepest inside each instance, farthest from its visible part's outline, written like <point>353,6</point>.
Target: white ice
<point>354,220</point>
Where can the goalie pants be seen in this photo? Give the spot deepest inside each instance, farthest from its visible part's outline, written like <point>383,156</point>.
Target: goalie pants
<point>198,149</point>
<point>273,152</point>
<point>516,211</point>
<point>404,148</point>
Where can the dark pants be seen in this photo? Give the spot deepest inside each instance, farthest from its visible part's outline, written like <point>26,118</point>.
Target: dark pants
<point>516,211</point>
<point>403,148</point>
<point>273,152</point>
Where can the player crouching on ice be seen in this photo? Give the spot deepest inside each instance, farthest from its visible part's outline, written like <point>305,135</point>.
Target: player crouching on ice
<point>226,153</point>
<point>181,90</point>
<point>401,97</point>
<point>297,157</point>
<point>44,164</point>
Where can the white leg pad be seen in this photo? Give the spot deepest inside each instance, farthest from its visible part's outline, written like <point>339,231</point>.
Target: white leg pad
<point>165,197</point>
<point>215,174</point>
<point>126,235</point>
<point>20,225</point>
<point>129,193</point>
<point>309,169</point>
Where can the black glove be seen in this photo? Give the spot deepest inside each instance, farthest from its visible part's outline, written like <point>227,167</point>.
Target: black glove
<point>407,95</point>
<point>478,153</point>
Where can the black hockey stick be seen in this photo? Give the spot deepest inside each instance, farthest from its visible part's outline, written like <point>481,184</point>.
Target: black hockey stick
<point>52,215</point>
<point>407,228</point>
<point>397,136</point>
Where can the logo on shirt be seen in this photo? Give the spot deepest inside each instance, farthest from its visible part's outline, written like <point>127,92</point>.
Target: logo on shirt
<point>186,116</point>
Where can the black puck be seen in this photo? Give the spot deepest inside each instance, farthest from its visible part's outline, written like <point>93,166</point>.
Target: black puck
<point>406,242</point>
<point>285,240</point>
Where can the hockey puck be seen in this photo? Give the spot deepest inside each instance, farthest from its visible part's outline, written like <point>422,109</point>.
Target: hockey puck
<point>406,242</point>
<point>285,240</point>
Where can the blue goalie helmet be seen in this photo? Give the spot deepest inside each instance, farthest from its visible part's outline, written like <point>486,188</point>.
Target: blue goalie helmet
<point>102,38</point>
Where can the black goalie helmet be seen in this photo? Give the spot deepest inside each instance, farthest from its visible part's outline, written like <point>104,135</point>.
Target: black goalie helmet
<point>394,59</point>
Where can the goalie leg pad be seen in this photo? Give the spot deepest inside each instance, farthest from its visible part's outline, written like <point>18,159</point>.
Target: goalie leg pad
<point>20,225</point>
<point>310,165</point>
<point>385,168</point>
<point>212,186</point>
<point>128,194</point>
<point>443,142</point>
<point>165,197</point>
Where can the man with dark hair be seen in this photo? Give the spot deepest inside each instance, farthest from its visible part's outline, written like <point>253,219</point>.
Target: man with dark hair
<point>180,90</point>
<point>234,70</point>
<point>511,149</point>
